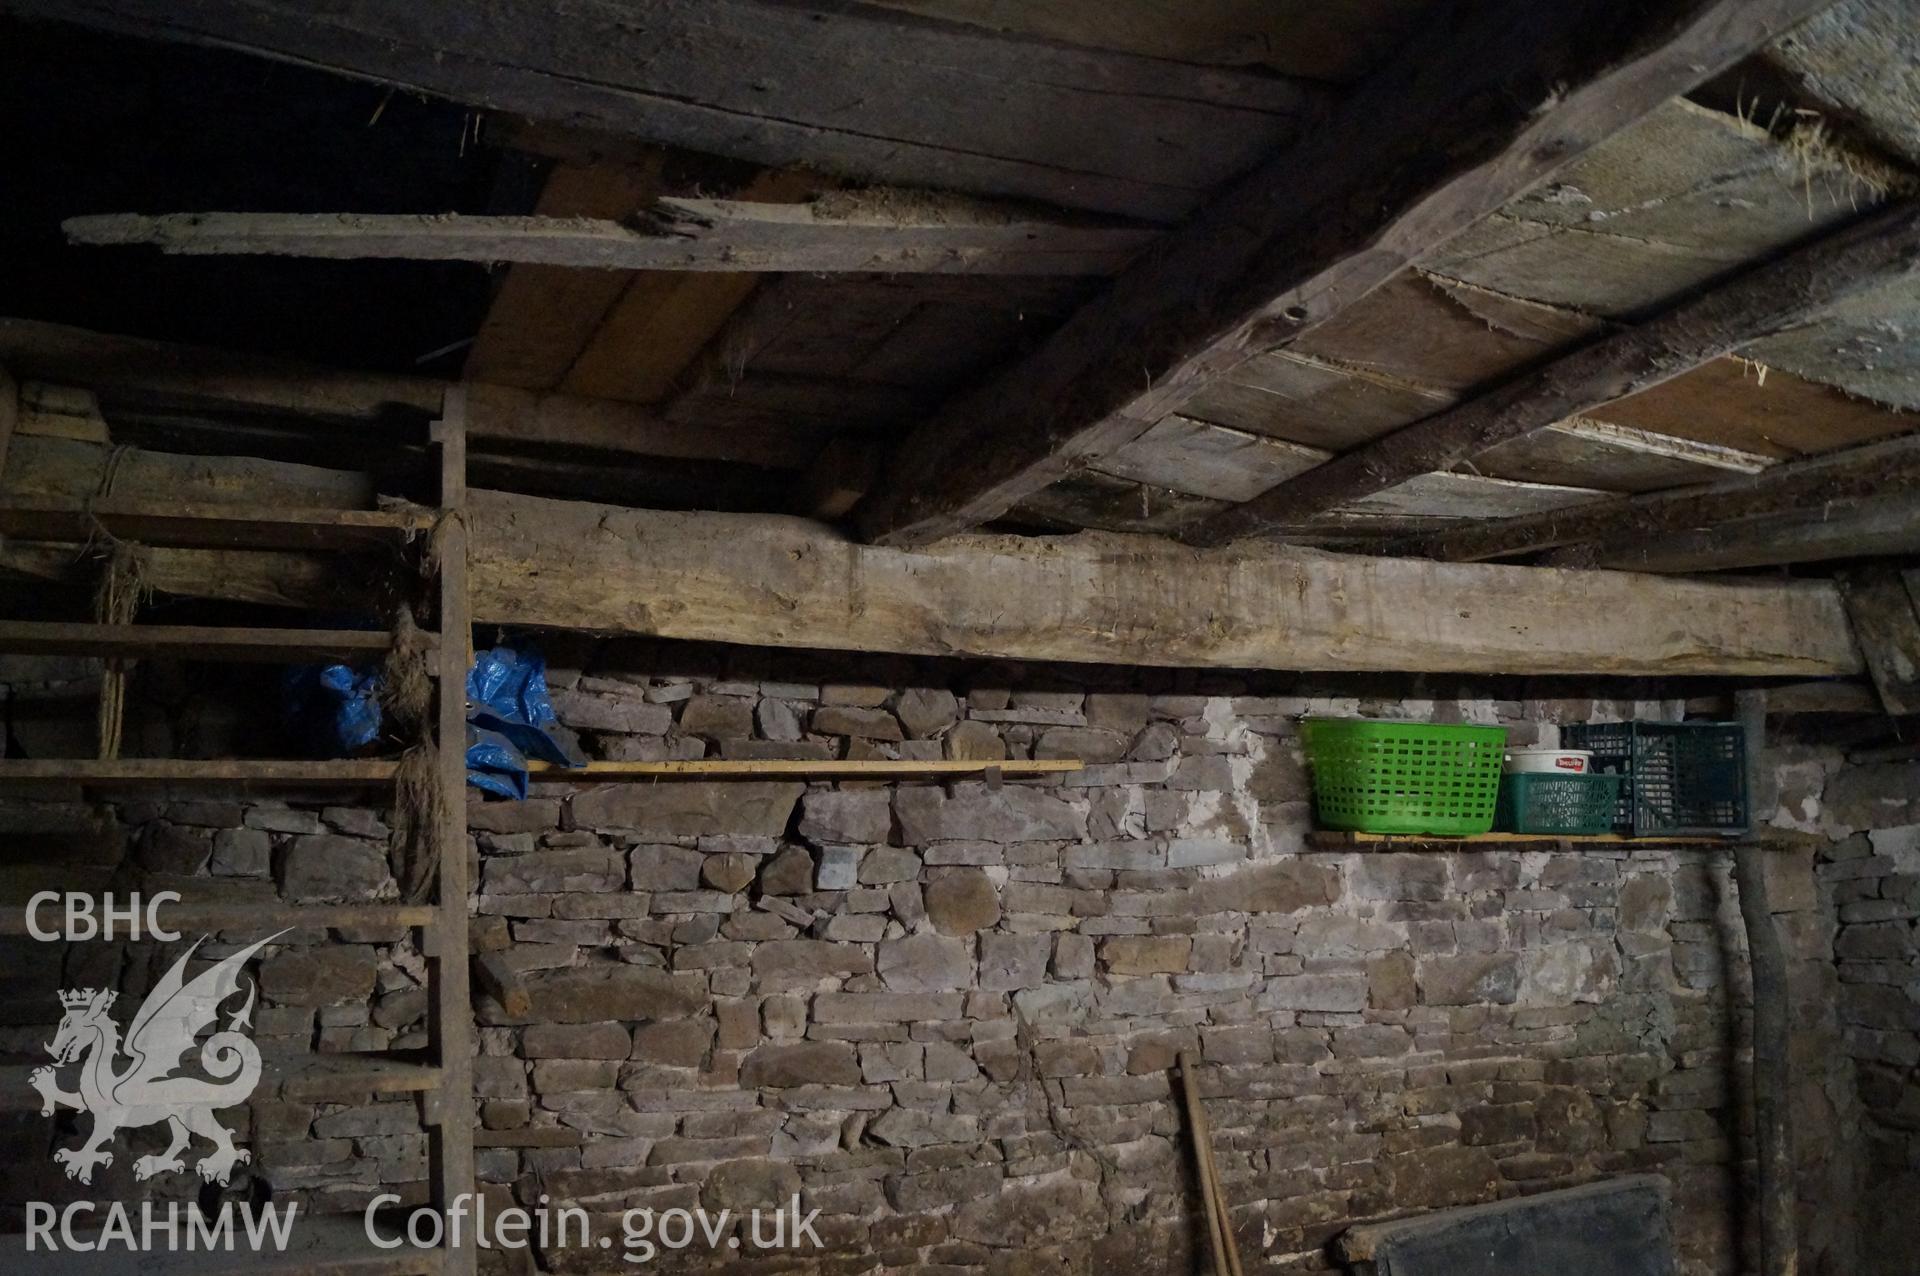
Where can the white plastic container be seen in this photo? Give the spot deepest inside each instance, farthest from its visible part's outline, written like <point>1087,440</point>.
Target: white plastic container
<point>1548,761</point>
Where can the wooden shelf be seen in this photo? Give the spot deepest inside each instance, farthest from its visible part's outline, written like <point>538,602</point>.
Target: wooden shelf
<point>210,525</point>
<point>714,769</point>
<point>317,1245</point>
<point>1335,841</point>
<point>192,642</point>
<point>141,772</point>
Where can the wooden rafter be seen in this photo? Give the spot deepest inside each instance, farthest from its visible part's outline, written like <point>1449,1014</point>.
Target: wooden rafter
<point>892,232</point>
<point>1877,250</point>
<point>1511,91</point>
<point>1606,530</point>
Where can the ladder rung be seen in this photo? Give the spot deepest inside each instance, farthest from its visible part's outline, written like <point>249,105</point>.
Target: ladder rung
<point>208,524</point>
<point>134,772</point>
<point>191,642</point>
<point>310,1077</point>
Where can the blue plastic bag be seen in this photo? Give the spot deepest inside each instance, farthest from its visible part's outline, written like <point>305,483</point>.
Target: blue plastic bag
<point>332,710</point>
<point>335,710</point>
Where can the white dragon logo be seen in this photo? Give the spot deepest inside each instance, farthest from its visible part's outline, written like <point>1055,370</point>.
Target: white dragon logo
<point>146,1092</point>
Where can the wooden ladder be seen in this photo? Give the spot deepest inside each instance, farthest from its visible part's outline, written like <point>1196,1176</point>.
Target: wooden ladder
<point>444,1079</point>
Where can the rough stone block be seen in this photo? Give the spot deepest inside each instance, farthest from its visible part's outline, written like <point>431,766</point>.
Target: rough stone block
<point>1009,962</point>
<point>691,809</point>
<point>926,711</point>
<point>797,963</point>
<point>962,901</point>
<point>1469,980</point>
<point>803,1063</point>
<point>575,1041</point>
<point>975,812</point>
<point>589,870</point>
<point>846,816</point>
<point>925,963</point>
<point>1146,954</point>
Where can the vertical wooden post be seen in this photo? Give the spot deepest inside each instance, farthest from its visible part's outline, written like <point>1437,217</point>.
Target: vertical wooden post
<point>1776,1203</point>
<point>451,1144</point>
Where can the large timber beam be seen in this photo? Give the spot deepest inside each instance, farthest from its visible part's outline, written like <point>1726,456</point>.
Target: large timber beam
<point>770,580</point>
<point>1504,94</point>
<point>1623,529</point>
<point>1876,251</point>
<point>900,232</point>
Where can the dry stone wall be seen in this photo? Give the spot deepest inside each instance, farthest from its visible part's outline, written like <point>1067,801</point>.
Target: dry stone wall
<point>945,1015</point>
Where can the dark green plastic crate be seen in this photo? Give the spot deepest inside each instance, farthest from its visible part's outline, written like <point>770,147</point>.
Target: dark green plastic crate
<point>1686,779</point>
<point>1566,804</point>
<point>1404,777</point>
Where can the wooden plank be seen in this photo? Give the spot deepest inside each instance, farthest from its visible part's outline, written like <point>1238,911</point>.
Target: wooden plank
<point>1519,90</point>
<point>191,642</point>
<point>1887,627</point>
<point>210,525</point>
<point>134,372</point>
<point>714,769</point>
<point>1605,528</point>
<point>902,232</point>
<point>450,1114</point>
<point>183,772</point>
<point>662,321</point>
<point>868,95</point>
<point>1878,250</point>
<point>541,317</point>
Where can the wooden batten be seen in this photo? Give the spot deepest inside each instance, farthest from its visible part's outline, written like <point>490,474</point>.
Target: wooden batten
<point>907,232</point>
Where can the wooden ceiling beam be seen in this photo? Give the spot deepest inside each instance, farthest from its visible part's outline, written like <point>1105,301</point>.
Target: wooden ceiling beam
<point>1610,530</point>
<point>1877,250</point>
<point>770,580</point>
<point>137,372</point>
<point>897,232</point>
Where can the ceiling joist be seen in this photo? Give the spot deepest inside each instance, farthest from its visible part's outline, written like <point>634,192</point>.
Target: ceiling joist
<point>1513,91</point>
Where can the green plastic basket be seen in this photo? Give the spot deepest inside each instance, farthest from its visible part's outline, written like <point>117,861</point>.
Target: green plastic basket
<point>1404,777</point>
<point>1558,803</point>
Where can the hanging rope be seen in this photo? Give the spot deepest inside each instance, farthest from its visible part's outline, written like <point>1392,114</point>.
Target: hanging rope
<point>115,601</point>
